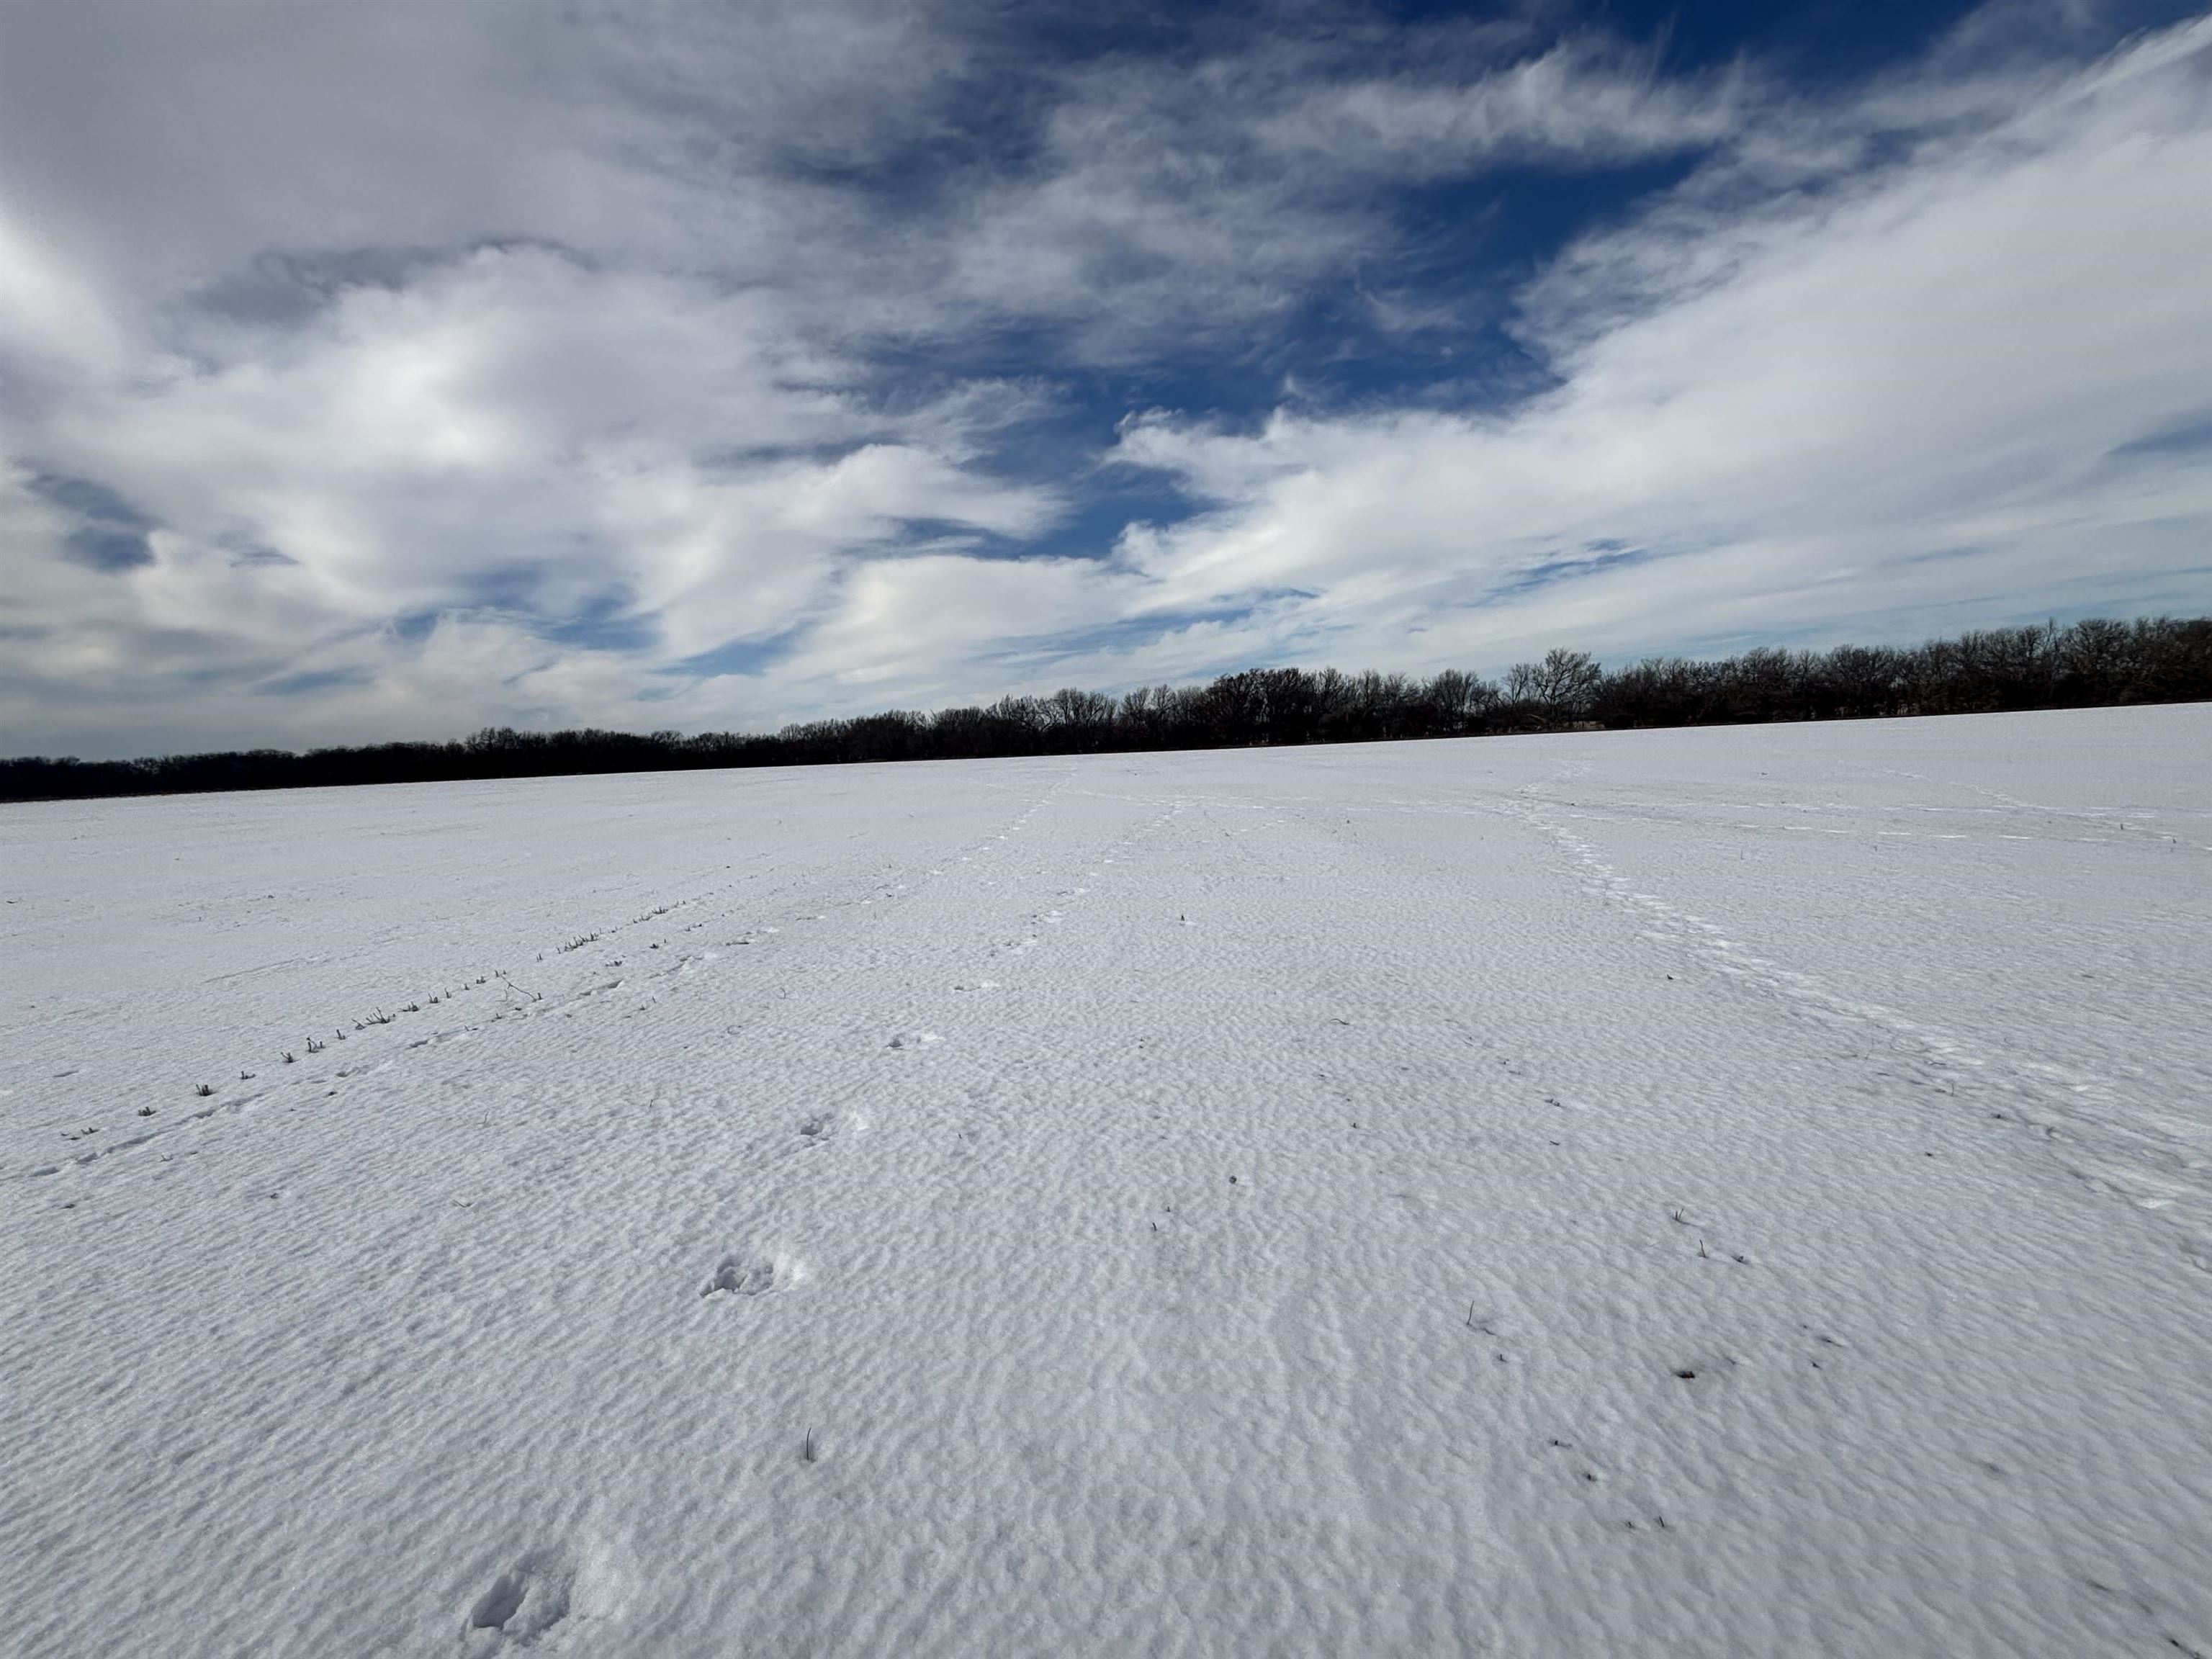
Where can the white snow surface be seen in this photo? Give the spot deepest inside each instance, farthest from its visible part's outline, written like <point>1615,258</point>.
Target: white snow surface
<point>1713,1192</point>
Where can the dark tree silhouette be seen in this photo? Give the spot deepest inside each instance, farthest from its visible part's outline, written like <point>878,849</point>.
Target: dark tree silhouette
<point>2098,662</point>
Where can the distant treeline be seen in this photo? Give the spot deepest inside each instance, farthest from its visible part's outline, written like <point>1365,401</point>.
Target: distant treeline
<point>2087,665</point>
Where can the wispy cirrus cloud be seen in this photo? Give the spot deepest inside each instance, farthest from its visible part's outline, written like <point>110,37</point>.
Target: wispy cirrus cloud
<point>1906,398</point>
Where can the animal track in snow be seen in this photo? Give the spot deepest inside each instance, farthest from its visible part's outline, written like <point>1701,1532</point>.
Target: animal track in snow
<point>754,1273</point>
<point>742,1278</point>
<point>522,1603</point>
<point>2134,1153</point>
<point>817,1127</point>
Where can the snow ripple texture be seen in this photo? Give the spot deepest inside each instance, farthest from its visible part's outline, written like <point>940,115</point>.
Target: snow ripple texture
<point>1730,1192</point>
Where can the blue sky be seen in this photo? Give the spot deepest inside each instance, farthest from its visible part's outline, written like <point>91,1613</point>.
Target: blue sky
<point>375,372</point>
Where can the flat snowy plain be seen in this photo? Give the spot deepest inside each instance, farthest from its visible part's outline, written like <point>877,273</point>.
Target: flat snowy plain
<point>1715,1192</point>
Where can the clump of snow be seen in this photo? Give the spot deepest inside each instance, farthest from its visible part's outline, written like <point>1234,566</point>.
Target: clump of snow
<point>1719,1192</point>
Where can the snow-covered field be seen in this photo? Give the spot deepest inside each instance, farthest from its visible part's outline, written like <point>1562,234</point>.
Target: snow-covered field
<point>1722,1192</point>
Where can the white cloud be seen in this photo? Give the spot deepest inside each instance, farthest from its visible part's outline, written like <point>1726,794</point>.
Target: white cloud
<point>496,364</point>
<point>1842,409</point>
<point>512,432</point>
<point>56,327</point>
<point>1580,102</point>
